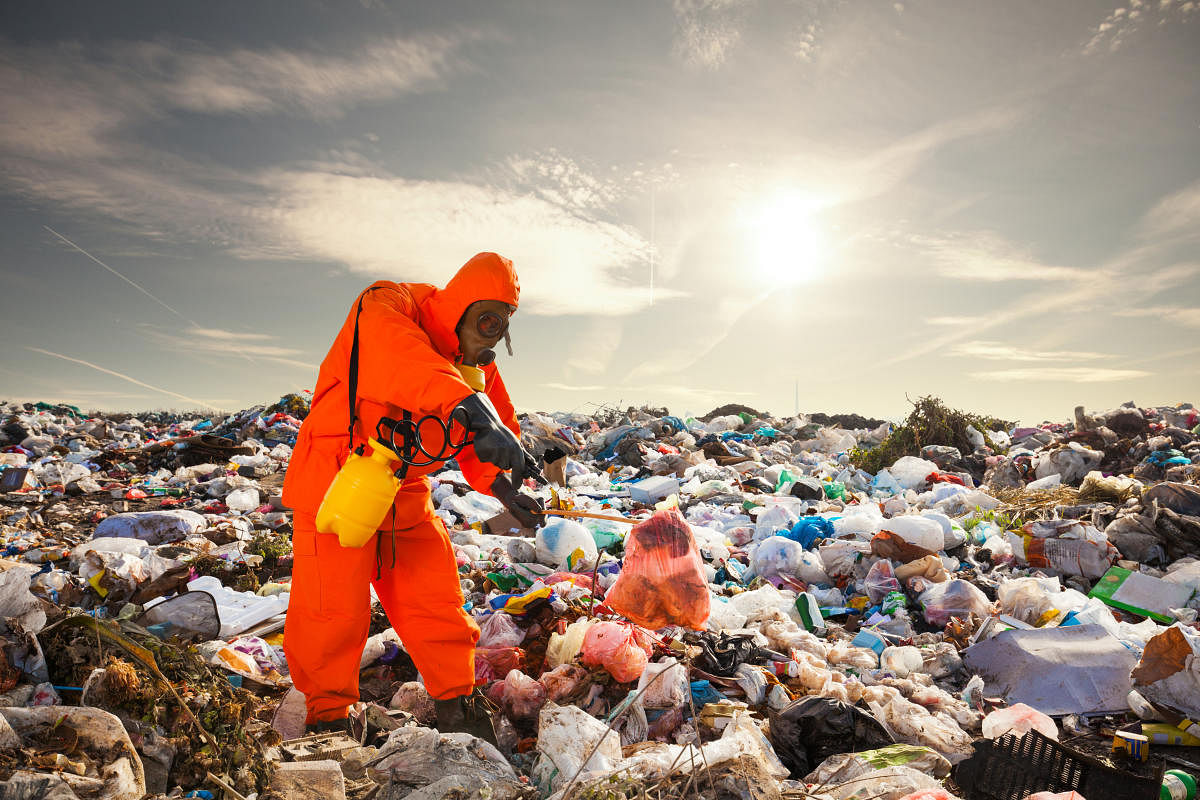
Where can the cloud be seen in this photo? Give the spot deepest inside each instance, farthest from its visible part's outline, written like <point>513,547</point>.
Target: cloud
<point>1062,374</point>
<point>568,262</point>
<point>1118,277</point>
<point>73,115</point>
<point>224,344</point>
<point>995,351</point>
<point>560,180</point>
<point>806,41</point>
<point>568,387</point>
<point>1175,216</point>
<point>984,256</point>
<point>1122,22</point>
<point>125,377</point>
<point>1179,314</point>
<point>707,30</point>
<point>950,321</point>
<point>72,143</point>
<point>107,86</point>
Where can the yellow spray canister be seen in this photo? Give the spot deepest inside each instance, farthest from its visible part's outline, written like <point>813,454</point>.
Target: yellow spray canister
<point>358,500</point>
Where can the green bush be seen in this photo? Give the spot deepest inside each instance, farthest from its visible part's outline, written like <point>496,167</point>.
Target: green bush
<point>930,422</point>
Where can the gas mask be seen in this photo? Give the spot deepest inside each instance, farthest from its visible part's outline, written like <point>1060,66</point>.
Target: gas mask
<point>482,326</point>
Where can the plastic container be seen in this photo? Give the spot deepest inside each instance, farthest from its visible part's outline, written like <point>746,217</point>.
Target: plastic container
<point>238,611</point>
<point>1012,767</point>
<point>1177,785</point>
<point>359,497</point>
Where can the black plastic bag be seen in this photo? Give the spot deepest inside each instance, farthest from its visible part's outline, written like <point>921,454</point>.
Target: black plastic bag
<point>811,729</point>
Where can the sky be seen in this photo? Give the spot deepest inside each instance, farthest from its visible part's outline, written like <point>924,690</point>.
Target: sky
<point>799,205</point>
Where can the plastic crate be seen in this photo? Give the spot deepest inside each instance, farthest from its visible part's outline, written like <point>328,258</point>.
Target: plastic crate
<point>1012,768</point>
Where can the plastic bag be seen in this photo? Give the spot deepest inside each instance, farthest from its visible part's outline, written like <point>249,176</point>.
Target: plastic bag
<point>923,532</point>
<point>662,579</point>
<point>863,521</point>
<point>891,783</point>
<point>500,630</point>
<point>563,681</point>
<point>565,543</point>
<point>523,696</point>
<point>1027,599</point>
<point>629,719</point>
<point>1018,720</point>
<point>903,661</point>
<point>809,529</point>
<point>563,648</point>
<point>847,766</point>
<point>956,598</point>
<point>930,568</point>
<point>670,690</point>
<point>880,581</point>
<point>492,662</point>
<point>753,682</point>
<point>572,741</point>
<point>841,556</point>
<point>911,472</point>
<point>776,559</point>
<point>617,649</point>
<point>930,794</point>
<point>811,729</point>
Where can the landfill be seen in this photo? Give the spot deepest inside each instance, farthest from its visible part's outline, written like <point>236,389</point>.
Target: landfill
<point>737,605</point>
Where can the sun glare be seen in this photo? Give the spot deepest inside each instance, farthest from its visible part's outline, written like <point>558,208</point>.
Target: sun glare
<point>786,242</point>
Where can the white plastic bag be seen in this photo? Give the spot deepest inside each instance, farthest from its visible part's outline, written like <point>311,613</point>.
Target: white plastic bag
<point>665,683</point>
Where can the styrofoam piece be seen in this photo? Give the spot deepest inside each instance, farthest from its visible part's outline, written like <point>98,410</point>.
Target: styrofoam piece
<point>653,489</point>
<point>239,611</point>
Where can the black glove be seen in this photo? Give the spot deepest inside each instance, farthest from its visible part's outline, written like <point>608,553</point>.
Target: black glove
<point>494,442</point>
<point>519,504</point>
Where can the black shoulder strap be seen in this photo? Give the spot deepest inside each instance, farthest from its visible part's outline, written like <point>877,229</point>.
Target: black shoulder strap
<point>354,370</point>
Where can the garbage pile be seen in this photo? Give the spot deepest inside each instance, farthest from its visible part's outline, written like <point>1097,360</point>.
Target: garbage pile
<point>732,606</point>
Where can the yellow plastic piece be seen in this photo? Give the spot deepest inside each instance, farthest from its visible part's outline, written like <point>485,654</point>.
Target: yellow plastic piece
<point>473,376</point>
<point>359,497</point>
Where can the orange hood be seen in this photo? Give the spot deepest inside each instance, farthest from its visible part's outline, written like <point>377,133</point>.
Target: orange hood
<point>487,276</point>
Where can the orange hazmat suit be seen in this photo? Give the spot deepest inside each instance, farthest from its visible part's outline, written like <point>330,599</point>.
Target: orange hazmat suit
<point>406,361</point>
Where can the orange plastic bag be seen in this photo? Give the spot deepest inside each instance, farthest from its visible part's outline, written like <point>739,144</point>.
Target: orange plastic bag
<point>662,580</point>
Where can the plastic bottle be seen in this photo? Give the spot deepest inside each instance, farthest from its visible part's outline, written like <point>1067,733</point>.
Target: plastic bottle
<point>1177,785</point>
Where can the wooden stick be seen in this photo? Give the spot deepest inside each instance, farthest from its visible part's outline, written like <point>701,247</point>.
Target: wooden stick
<point>587,515</point>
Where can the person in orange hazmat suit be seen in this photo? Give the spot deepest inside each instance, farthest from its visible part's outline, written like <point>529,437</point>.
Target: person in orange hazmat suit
<point>397,352</point>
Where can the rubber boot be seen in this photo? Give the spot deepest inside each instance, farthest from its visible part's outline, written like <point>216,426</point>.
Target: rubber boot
<point>328,726</point>
<point>466,714</point>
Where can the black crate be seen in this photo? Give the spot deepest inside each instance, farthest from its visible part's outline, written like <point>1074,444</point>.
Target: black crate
<point>1012,768</point>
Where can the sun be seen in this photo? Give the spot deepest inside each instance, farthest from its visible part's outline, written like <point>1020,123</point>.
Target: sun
<point>787,244</point>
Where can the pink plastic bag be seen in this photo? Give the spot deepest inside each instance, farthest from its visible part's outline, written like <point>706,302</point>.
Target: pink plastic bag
<point>1056,796</point>
<point>493,662</point>
<point>618,649</point>
<point>662,579</point>
<point>930,794</point>
<point>523,696</point>
<point>500,630</point>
